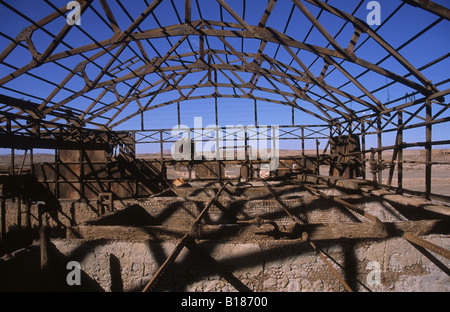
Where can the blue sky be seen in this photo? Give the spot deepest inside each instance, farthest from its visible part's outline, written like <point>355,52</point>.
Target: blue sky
<point>407,22</point>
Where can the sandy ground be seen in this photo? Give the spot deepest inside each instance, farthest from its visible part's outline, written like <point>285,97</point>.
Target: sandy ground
<point>413,173</point>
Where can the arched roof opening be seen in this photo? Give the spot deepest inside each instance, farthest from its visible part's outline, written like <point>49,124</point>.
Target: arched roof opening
<point>120,62</point>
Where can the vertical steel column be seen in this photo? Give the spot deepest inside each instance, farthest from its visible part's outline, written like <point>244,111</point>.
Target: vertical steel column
<point>187,11</point>
<point>9,131</point>
<point>12,171</point>
<point>216,115</point>
<point>57,160</point>
<point>161,153</point>
<point>256,113</point>
<point>44,242</point>
<point>380,152</point>
<point>82,191</point>
<point>28,220</point>
<point>400,152</point>
<point>303,149</point>
<point>318,157</point>
<point>293,122</point>
<point>428,150</point>
<point>19,213</point>
<point>363,147</point>
<point>31,162</point>
<point>218,152</point>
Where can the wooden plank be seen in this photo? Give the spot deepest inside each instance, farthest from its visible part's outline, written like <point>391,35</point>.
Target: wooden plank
<point>245,233</point>
<point>110,16</point>
<point>432,7</point>
<point>187,11</point>
<point>26,142</point>
<point>364,27</point>
<point>322,29</point>
<point>367,187</point>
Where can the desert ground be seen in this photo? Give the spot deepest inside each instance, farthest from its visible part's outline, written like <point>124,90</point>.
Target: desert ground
<point>413,168</point>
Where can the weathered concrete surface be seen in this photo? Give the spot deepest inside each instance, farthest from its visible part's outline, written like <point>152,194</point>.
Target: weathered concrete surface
<point>383,265</point>
<point>267,267</point>
<point>114,265</point>
<point>236,203</point>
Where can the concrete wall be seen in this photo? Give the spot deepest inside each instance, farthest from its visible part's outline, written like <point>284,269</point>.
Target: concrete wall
<point>116,265</point>
<point>287,267</point>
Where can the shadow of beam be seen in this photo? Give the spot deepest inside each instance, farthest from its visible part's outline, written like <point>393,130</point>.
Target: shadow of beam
<point>227,275</point>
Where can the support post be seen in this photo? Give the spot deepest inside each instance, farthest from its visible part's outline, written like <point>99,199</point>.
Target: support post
<point>216,111</point>
<point>9,131</point>
<point>293,122</point>
<point>31,162</point>
<point>187,11</point>
<point>23,162</point>
<point>19,213</point>
<point>380,152</point>
<point>393,161</point>
<point>363,147</point>
<point>218,154</point>
<point>256,113</point>
<point>44,242</point>
<point>57,161</point>
<point>400,153</point>
<point>428,150</point>
<point>28,221</point>
<point>303,149</point>
<point>82,191</point>
<point>12,162</point>
<point>161,150</point>
<point>318,157</point>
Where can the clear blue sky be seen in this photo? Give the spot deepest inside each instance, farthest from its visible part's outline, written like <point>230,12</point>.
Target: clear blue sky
<point>407,22</point>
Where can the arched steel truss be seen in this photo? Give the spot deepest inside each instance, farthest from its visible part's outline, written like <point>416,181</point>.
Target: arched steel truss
<point>144,76</point>
<point>201,60</point>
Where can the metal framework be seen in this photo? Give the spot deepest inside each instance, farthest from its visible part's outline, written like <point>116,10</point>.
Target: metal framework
<point>94,85</point>
<point>134,68</point>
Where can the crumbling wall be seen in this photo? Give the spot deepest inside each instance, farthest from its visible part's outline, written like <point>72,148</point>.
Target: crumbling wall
<point>384,265</point>
<point>270,266</point>
<point>121,264</point>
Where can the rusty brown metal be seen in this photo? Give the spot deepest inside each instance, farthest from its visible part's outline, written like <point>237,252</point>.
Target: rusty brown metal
<point>184,242</point>
<point>305,237</point>
<point>120,76</point>
<point>172,257</point>
<point>426,244</point>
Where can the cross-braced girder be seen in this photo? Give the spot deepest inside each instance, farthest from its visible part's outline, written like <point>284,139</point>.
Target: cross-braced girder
<point>125,70</point>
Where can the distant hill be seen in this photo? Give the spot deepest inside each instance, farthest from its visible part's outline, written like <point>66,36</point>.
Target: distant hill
<point>411,154</point>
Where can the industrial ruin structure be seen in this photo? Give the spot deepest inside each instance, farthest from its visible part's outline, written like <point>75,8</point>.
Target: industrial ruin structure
<point>84,80</point>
